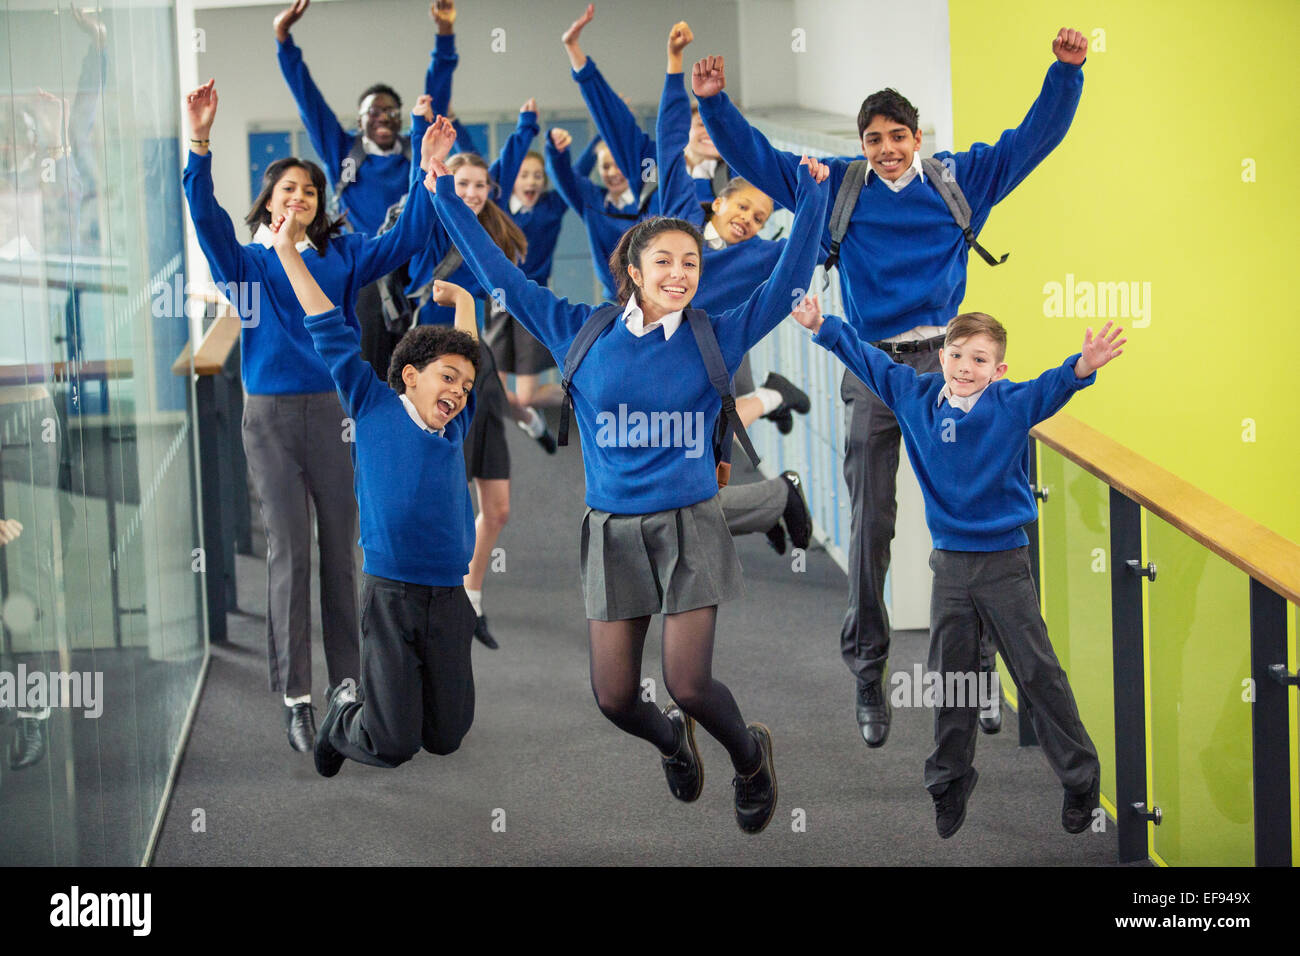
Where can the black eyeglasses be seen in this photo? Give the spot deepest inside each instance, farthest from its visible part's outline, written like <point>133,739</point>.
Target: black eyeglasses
<point>376,112</point>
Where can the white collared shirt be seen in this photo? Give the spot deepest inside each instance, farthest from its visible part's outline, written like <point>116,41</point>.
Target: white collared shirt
<point>622,201</point>
<point>908,175</point>
<point>266,237</point>
<point>962,402</point>
<point>415,416</point>
<point>635,319</point>
<point>704,169</point>
<point>712,239</point>
<point>374,149</point>
<point>516,204</point>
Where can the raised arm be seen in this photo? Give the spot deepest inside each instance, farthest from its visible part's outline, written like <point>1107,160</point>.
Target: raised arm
<point>740,328</point>
<point>227,258</point>
<point>443,60</point>
<point>744,148</point>
<point>505,168</point>
<point>1046,395</point>
<point>577,193</point>
<point>672,132</point>
<point>627,143</point>
<point>987,174</point>
<point>379,256</point>
<point>457,297</point>
<point>890,381</point>
<point>552,320</point>
<point>586,161</point>
<point>323,127</point>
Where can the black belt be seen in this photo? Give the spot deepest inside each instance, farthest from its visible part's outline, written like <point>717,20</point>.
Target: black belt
<point>903,348</point>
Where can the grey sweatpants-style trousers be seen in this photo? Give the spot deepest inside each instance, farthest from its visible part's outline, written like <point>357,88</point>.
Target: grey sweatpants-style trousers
<point>297,453</point>
<point>993,592</point>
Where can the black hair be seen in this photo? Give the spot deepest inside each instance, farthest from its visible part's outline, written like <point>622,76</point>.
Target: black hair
<point>322,227</point>
<point>379,88</point>
<point>890,104</point>
<point>423,344</point>
<point>633,243</point>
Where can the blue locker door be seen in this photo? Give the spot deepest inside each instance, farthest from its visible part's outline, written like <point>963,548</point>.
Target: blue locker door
<point>264,148</point>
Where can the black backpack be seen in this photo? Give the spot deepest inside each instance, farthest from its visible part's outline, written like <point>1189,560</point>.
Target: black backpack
<point>728,423</point>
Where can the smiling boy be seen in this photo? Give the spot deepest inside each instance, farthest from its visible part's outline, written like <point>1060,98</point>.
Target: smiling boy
<point>417,530</point>
<point>966,430</point>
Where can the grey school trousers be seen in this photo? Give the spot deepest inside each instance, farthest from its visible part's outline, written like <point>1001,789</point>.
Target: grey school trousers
<point>755,506</point>
<point>993,591</point>
<point>296,452</point>
<point>417,682</point>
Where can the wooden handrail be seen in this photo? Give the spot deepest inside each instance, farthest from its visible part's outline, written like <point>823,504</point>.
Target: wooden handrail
<point>1263,554</point>
<point>215,347</point>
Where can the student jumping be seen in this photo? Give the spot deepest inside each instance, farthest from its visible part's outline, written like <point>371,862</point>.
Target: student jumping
<point>903,269</point>
<point>653,538</point>
<point>966,431</point>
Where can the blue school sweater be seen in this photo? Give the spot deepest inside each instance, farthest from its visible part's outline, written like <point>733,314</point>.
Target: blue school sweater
<point>644,406</point>
<point>417,522</point>
<point>502,169</point>
<point>973,467</point>
<point>903,259</point>
<point>727,275</point>
<point>541,226</point>
<point>437,83</point>
<point>627,142</point>
<point>379,182</point>
<point>277,353</point>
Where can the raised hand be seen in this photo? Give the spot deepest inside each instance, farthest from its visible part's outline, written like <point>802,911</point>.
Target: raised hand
<point>423,107</point>
<point>447,293</point>
<point>572,34</point>
<point>679,38</point>
<point>437,142</point>
<point>1098,351</point>
<point>444,14</point>
<point>282,235</point>
<point>819,171</point>
<point>201,108</point>
<point>288,17</point>
<point>709,77</point>
<point>432,170</point>
<point>1070,46</point>
<point>530,106</point>
<point>561,139</point>
<point>808,313</point>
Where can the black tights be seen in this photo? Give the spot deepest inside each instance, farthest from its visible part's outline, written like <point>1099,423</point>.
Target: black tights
<point>688,677</point>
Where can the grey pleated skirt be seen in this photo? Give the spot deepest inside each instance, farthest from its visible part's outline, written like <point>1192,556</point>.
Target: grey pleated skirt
<point>665,562</point>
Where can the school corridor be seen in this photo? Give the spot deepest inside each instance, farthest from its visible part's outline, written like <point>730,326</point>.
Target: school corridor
<point>571,788</point>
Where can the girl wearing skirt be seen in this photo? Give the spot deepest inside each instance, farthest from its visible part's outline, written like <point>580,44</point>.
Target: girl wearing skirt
<point>653,539</point>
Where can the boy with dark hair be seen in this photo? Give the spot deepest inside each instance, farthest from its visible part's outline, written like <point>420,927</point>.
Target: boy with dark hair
<point>902,264</point>
<point>417,531</point>
<point>966,432</point>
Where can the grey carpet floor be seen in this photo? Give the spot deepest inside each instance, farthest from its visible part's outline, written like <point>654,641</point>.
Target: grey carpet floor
<point>543,778</point>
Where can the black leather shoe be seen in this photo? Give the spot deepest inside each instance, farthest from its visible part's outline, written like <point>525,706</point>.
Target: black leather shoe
<point>29,744</point>
<point>950,806</point>
<point>792,397</point>
<point>776,538</point>
<point>683,769</point>
<point>302,727</point>
<point>874,713</point>
<point>756,792</point>
<point>328,759</point>
<point>797,517</point>
<point>547,440</point>
<point>783,419</point>
<point>1076,811</point>
<point>482,633</point>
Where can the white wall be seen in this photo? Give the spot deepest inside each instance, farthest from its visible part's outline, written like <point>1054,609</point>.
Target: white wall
<point>352,43</point>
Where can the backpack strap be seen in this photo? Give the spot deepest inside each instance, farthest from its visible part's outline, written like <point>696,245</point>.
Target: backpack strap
<point>591,330</point>
<point>946,183</point>
<point>729,422</point>
<point>448,264</point>
<point>846,197</point>
<point>643,203</point>
<point>721,176</point>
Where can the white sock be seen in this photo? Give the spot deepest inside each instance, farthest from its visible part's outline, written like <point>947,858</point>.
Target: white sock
<point>769,398</point>
<point>476,599</point>
<point>290,701</point>
<point>535,426</point>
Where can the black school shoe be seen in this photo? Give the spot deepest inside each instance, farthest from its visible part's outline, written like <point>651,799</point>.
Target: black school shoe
<point>328,759</point>
<point>481,632</point>
<point>756,792</point>
<point>873,712</point>
<point>300,724</point>
<point>950,806</point>
<point>29,744</point>
<point>1076,811</point>
<point>797,517</point>
<point>683,769</point>
<point>792,396</point>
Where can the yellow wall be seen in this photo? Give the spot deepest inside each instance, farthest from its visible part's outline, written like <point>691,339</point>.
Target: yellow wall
<point>1148,187</point>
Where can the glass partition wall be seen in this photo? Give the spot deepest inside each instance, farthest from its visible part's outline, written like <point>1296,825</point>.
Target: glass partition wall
<point>103,639</point>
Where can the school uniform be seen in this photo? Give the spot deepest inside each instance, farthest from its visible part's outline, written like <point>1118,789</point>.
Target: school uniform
<point>417,535</point>
<point>903,269</point>
<point>377,182</point>
<point>294,427</point>
<point>515,348</point>
<point>971,461</point>
<point>682,556</point>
